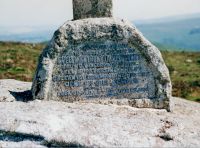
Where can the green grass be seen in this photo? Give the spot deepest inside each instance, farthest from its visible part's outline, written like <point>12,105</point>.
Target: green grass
<point>184,70</point>
<point>19,61</point>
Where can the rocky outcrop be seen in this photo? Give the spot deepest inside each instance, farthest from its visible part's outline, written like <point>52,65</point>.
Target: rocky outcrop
<point>45,124</point>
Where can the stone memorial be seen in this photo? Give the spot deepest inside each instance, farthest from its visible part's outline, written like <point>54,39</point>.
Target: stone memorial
<point>101,59</point>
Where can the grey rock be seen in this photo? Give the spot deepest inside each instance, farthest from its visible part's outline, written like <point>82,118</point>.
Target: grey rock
<point>152,88</point>
<point>48,123</point>
<point>92,8</point>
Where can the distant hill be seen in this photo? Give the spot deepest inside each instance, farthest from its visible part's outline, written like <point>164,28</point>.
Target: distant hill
<point>177,32</point>
<point>181,33</point>
<point>27,37</point>
<point>30,34</point>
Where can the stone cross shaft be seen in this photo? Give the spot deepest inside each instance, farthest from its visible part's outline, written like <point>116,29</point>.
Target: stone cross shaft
<point>92,9</point>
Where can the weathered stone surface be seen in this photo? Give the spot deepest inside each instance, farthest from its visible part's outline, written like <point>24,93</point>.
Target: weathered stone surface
<point>22,144</point>
<point>49,123</point>
<point>92,8</point>
<point>13,90</point>
<point>102,60</point>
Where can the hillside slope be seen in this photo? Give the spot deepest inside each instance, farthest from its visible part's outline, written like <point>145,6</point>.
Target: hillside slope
<point>19,61</point>
<point>182,34</point>
<point>177,32</point>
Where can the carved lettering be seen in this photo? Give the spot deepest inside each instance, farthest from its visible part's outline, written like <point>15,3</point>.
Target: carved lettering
<point>106,69</point>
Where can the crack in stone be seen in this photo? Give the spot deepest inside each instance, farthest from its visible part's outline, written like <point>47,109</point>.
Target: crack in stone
<point>20,137</point>
<point>52,144</point>
<point>24,96</point>
<point>166,137</point>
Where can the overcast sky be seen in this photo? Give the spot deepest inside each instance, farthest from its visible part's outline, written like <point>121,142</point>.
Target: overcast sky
<point>56,12</point>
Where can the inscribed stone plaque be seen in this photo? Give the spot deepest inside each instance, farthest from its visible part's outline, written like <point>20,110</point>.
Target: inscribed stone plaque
<point>102,60</point>
<point>102,70</point>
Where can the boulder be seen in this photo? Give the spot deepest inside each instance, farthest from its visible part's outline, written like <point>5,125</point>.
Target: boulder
<point>102,60</point>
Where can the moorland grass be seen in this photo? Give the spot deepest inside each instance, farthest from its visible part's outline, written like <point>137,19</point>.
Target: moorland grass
<point>19,61</point>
